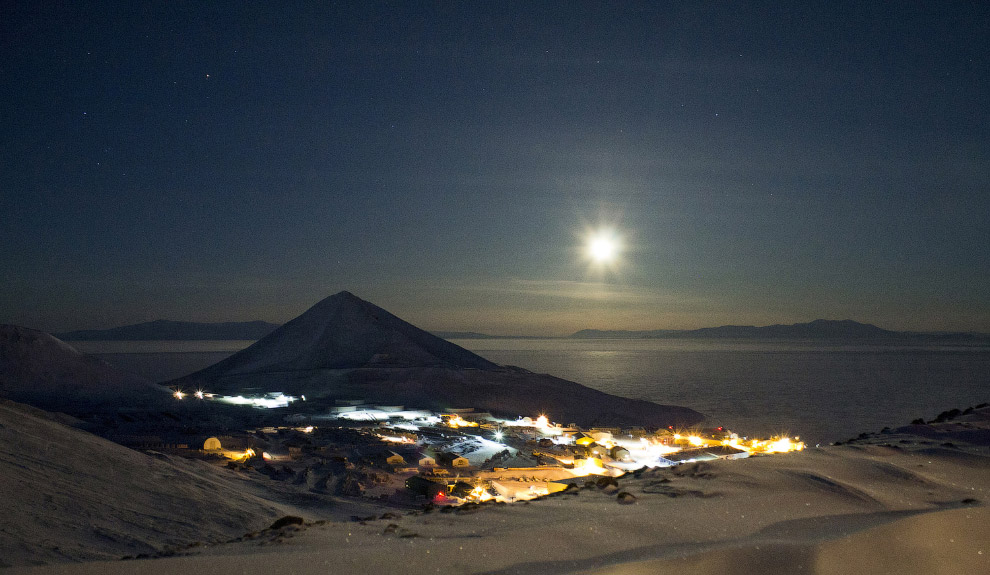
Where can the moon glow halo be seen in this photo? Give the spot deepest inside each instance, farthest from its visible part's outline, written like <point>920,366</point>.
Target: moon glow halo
<point>603,247</point>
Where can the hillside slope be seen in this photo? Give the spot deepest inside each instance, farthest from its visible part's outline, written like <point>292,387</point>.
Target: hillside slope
<point>71,496</point>
<point>41,370</point>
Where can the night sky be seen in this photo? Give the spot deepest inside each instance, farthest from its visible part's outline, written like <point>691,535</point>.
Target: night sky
<point>757,163</point>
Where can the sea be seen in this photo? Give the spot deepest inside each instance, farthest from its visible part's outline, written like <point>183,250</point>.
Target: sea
<point>820,391</point>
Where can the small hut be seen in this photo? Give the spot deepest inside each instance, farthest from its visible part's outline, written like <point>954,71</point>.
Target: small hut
<point>422,486</point>
<point>619,453</point>
<point>211,444</point>
<point>452,460</point>
<point>583,439</point>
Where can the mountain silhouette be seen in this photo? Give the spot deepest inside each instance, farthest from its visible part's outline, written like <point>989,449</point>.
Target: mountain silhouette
<point>341,332</point>
<point>346,348</point>
<point>39,369</point>
<point>817,329</point>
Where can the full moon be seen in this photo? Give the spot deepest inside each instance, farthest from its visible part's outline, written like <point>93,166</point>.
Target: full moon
<point>603,248</point>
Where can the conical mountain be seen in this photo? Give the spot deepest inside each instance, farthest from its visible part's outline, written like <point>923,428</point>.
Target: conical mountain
<point>345,332</point>
<point>346,348</point>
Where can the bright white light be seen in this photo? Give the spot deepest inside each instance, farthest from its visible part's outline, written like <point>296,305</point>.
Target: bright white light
<point>602,249</point>
<point>406,426</point>
<point>395,439</point>
<point>268,401</point>
<point>603,246</point>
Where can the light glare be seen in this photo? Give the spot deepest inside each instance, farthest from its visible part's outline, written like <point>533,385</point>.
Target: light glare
<point>603,247</point>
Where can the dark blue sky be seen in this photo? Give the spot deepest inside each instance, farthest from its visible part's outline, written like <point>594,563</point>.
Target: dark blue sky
<point>762,163</point>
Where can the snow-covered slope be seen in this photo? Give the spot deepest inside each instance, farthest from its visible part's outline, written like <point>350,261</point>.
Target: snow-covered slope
<point>69,495</point>
<point>41,370</point>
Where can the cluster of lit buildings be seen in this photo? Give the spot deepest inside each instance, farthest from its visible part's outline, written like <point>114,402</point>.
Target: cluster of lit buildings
<point>510,460</point>
<point>565,453</point>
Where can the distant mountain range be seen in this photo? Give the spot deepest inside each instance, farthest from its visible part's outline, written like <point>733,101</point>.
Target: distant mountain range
<point>476,335</point>
<point>817,329</point>
<point>463,335</point>
<point>174,330</point>
<point>255,330</point>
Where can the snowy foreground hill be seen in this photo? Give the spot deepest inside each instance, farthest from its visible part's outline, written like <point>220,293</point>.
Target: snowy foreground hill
<point>887,503</point>
<point>69,495</point>
<point>910,500</point>
<point>346,348</point>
